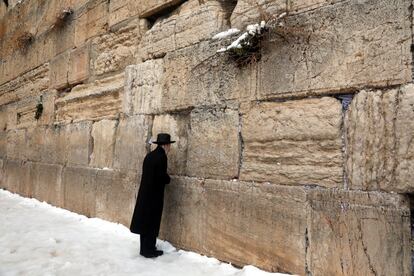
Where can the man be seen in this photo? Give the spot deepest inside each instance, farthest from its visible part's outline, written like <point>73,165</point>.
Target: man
<point>148,209</point>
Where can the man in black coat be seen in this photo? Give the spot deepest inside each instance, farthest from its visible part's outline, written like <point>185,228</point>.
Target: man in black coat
<point>148,209</point>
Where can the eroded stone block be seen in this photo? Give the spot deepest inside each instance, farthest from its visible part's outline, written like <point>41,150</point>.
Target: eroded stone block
<point>120,10</point>
<point>263,225</point>
<point>17,177</point>
<point>321,53</point>
<point>115,50</point>
<point>30,84</point>
<point>143,87</point>
<point>79,64</point>
<point>115,196</point>
<point>98,100</point>
<point>92,20</point>
<point>293,143</point>
<point>193,22</point>
<point>16,144</point>
<point>380,146</point>
<point>358,233</point>
<point>103,135</point>
<point>131,142</point>
<point>78,143</point>
<point>184,219</point>
<point>80,190</point>
<point>177,126</point>
<point>59,67</point>
<point>214,145</point>
<point>46,183</point>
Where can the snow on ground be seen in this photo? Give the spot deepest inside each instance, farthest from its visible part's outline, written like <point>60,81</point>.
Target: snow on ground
<point>39,239</point>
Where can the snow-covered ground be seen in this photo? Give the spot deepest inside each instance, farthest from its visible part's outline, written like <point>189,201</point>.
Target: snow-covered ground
<point>39,239</point>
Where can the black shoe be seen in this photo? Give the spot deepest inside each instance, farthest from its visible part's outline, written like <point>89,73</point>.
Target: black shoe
<point>152,254</point>
<point>158,252</point>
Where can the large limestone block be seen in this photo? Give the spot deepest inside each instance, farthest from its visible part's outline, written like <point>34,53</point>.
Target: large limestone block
<point>198,76</point>
<point>17,177</point>
<point>131,142</point>
<point>358,233</point>
<point>79,186</point>
<point>178,127</point>
<point>115,50</point>
<point>214,144</point>
<point>103,135</point>
<point>59,67</point>
<point>79,64</point>
<point>193,22</point>
<point>97,100</point>
<point>293,143</point>
<point>47,144</point>
<point>78,143</point>
<point>322,53</point>
<point>259,224</point>
<point>120,10</point>
<point>91,20</point>
<point>17,147</point>
<point>380,148</point>
<point>143,87</point>
<point>46,183</point>
<point>115,196</point>
<point>184,221</point>
<point>30,84</point>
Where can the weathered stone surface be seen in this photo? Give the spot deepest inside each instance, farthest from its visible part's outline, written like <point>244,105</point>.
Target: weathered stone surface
<point>103,135</point>
<point>357,233</point>
<point>17,177</point>
<point>47,144</point>
<point>46,183</point>
<point>254,11</point>
<point>92,20</point>
<point>59,67</point>
<point>295,6</point>
<point>293,143</point>
<point>3,118</point>
<point>115,196</point>
<point>263,225</point>
<point>150,8</point>
<point>80,190</point>
<point>177,126</point>
<point>3,144</point>
<point>98,100</point>
<point>131,142</point>
<point>120,10</point>
<point>184,220</point>
<point>322,54</point>
<point>143,87</point>
<point>380,148</point>
<point>191,23</point>
<point>214,144</point>
<point>79,64</point>
<point>31,84</point>
<point>16,144</point>
<point>198,76</point>
<point>115,50</point>
<point>78,143</point>
<point>23,113</point>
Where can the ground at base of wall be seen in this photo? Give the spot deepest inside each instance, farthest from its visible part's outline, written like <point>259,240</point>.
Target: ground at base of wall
<point>39,239</point>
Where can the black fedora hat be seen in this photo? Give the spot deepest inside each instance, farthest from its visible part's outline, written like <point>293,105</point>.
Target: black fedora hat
<point>163,138</point>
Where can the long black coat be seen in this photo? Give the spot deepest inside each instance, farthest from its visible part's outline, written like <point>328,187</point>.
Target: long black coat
<point>150,201</point>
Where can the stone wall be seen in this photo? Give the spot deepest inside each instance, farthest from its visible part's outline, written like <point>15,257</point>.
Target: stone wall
<point>270,168</point>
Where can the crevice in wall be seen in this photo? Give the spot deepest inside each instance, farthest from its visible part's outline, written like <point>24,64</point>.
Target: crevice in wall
<point>91,144</point>
<point>307,271</point>
<point>241,146</point>
<point>345,100</point>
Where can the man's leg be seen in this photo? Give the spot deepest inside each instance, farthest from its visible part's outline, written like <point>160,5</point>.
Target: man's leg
<point>146,244</point>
